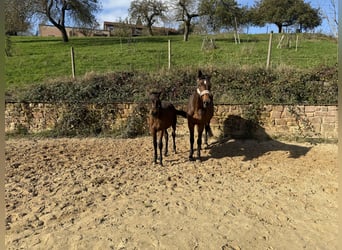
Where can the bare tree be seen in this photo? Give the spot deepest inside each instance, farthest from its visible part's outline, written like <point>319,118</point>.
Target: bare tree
<point>148,12</point>
<point>186,10</point>
<point>59,12</point>
<point>332,19</point>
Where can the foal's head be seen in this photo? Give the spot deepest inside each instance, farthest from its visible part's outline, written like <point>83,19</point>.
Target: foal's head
<point>156,103</point>
<point>203,88</point>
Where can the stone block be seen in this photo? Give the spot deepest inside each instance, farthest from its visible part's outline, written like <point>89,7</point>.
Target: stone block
<point>332,108</point>
<point>329,120</point>
<point>324,108</point>
<point>279,108</point>
<point>276,114</point>
<point>332,113</point>
<point>309,109</point>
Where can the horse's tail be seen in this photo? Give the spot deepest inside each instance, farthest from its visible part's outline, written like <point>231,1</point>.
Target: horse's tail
<point>181,113</point>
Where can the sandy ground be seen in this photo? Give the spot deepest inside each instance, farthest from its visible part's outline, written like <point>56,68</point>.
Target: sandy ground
<point>106,194</point>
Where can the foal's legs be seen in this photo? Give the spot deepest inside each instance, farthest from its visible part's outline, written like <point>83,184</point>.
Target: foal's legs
<point>160,144</point>
<point>154,136</point>
<point>192,139</point>
<point>174,137</point>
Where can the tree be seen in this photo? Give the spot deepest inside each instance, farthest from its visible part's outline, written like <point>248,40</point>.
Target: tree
<point>147,11</point>
<point>309,18</point>
<point>17,13</point>
<point>59,12</point>
<point>222,14</point>
<point>207,9</point>
<point>284,13</point>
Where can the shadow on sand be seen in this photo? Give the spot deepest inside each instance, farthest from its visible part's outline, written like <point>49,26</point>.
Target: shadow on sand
<point>243,137</point>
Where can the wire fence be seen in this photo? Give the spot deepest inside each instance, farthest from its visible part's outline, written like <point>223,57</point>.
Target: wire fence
<point>137,55</point>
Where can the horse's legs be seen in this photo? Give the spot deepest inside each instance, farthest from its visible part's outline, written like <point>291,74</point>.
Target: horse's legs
<point>166,136</point>
<point>207,133</point>
<point>192,139</point>
<point>200,129</point>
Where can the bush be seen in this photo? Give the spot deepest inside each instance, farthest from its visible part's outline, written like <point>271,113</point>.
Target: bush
<point>78,120</point>
<point>136,124</point>
<point>229,86</point>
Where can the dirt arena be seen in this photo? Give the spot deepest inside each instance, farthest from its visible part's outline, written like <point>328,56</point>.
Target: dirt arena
<point>103,193</point>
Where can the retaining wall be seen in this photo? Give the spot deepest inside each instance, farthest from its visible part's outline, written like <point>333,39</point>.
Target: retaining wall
<point>274,121</point>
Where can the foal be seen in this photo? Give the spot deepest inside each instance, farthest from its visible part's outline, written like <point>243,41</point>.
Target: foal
<point>162,116</point>
<point>199,113</point>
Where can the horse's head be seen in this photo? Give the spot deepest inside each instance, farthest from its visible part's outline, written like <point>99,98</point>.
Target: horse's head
<point>203,88</point>
<point>156,103</point>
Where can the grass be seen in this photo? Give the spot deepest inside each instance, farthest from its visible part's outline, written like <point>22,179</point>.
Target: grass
<point>37,59</point>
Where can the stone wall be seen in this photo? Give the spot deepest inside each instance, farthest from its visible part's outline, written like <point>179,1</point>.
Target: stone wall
<point>280,121</point>
<point>276,121</point>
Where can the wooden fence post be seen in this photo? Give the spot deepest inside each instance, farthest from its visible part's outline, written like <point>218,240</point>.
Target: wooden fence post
<point>73,62</point>
<point>269,51</point>
<point>169,54</point>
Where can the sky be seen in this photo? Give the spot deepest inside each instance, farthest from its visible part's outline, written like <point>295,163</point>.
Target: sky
<point>116,10</point>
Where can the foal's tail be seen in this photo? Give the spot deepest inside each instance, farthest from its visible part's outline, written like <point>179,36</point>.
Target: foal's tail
<point>181,113</point>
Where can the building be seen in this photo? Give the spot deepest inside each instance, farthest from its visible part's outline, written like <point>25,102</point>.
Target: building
<point>50,30</point>
<point>135,30</point>
<point>109,29</point>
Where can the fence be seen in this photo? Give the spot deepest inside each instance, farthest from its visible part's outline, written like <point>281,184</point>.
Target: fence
<point>38,63</point>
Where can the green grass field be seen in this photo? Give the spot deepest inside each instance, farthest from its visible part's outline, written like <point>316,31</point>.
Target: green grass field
<point>36,59</point>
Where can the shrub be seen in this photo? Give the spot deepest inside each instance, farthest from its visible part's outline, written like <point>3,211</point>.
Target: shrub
<point>229,85</point>
<point>78,120</point>
<point>136,123</point>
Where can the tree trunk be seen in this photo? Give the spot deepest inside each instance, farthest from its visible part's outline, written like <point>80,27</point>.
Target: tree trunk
<point>60,24</point>
<point>150,30</point>
<point>280,28</point>
<point>186,31</point>
<point>64,33</point>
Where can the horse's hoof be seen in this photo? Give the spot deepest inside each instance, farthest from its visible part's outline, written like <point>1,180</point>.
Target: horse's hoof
<point>191,158</point>
<point>198,160</point>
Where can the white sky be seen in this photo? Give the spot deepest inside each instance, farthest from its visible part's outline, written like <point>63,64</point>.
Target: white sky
<point>115,10</point>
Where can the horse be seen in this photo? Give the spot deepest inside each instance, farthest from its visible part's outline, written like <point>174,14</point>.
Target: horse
<point>162,116</point>
<point>200,110</point>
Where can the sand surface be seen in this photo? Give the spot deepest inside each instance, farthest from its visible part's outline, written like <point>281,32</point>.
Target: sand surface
<point>103,193</point>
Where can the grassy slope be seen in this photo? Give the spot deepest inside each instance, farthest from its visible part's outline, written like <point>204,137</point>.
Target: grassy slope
<point>36,59</point>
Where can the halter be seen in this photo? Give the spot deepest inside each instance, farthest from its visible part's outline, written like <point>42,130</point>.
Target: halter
<point>203,92</point>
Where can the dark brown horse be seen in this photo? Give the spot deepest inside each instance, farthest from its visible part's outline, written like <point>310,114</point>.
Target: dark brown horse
<point>162,116</point>
<point>199,113</point>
